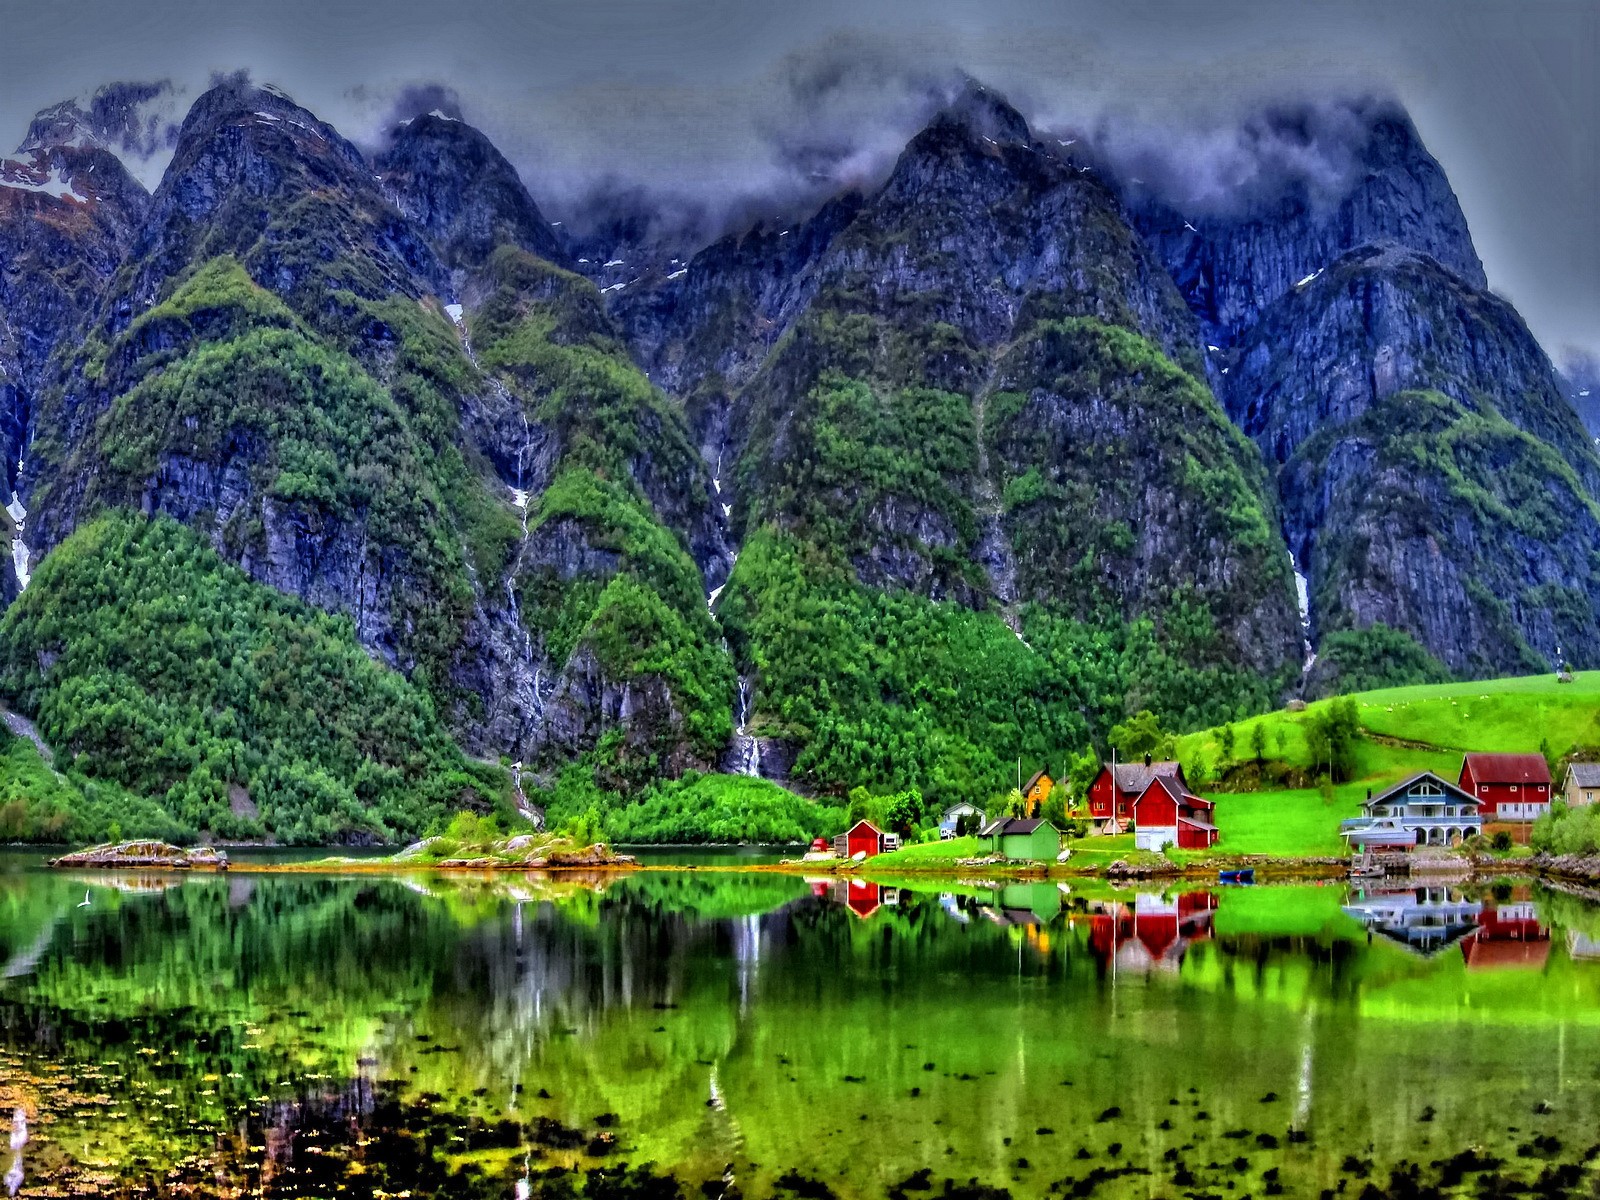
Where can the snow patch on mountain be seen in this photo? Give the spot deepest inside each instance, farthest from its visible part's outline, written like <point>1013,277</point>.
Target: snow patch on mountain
<point>138,122</point>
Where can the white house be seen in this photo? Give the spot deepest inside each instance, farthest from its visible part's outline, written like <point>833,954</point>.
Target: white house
<point>953,814</point>
<point>1425,810</point>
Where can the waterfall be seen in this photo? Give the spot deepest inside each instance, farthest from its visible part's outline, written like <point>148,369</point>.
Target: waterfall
<point>747,750</point>
<point>746,756</point>
<point>19,548</point>
<point>994,547</point>
<point>520,498</point>
<point>1302,592</point>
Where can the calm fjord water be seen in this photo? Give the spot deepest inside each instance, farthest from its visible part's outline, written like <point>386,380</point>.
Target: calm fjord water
<point>756,1035</point>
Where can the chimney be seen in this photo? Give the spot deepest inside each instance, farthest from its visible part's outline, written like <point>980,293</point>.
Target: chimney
<point>1147,758</point>
<point>1369,793</point>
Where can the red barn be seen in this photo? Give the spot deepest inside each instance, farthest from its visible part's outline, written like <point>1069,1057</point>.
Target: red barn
<point>861,838</point>
<point>1114,790</point>
<point>1169,814</point>
<point>1507,787</point>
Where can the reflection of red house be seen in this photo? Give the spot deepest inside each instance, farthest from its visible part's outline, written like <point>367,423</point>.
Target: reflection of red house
<point>862,838</point>
<point>1508,935</point>
<point>1167,813</point>
<point>1152,932</point>
<point>1508,787</point>
<point>863,898</point>
<point>1114,790</point>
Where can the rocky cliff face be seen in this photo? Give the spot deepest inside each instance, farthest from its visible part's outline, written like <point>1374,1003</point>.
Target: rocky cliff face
<point>1347,325</point>
<point>68,213</point>
<point>1234,255</point>
<point>448,178</point>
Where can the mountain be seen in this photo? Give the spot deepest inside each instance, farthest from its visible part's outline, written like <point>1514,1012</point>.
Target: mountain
<point>277,364</point>
<point>965,411</point>
<point>958,470</point>
<point>1433,478</point>
<point>68,213</point>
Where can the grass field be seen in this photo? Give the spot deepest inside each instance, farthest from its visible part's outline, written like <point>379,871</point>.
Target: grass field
<point>1407,730</point>
<point>929,854</point>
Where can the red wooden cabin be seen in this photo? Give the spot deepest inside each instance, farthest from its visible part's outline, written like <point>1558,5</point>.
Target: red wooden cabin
<point>1508,787</point>
<point>1113,791</point>
<point>1167,813</point>
<point>862,837</point>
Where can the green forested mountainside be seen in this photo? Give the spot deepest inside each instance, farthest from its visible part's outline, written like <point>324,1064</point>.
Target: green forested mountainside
<point>927,483</point>
<point>893,532</point>
<point>155,666</point>
<point>604,573</point>
<point>226,410</point>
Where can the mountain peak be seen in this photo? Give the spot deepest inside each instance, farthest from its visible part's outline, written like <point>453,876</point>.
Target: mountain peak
<point>984,112</point>
<point>138,122</point>
<point>453,181</point>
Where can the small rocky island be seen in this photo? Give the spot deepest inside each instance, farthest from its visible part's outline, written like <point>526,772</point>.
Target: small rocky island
<point>524,852</point>
<point>147,856</point>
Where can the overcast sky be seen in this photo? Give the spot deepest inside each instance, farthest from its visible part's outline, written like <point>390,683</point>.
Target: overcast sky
<point>718,100</point>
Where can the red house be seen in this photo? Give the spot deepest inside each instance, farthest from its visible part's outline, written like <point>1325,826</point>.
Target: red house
<point>1168,814</point>
<point>863,838</point>
<point>1114,790</point>
<point>1507,787</point>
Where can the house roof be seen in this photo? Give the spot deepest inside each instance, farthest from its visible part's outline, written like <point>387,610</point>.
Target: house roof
<point>1584,774</point>
<point>963,806</point>
<point>865,822</point>
<point>1037,775</point>
<point>1405,785</point>
<point>1135,777</point>
<point>1196,823</point>
<point>1509,768</point>
<point>1009,825</point>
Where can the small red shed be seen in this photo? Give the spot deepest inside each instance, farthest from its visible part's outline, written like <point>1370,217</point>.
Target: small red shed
<point>862,837</point>
<point>1507,787</point>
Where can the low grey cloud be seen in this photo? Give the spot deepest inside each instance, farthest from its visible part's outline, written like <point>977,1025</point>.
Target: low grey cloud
<point>721,111</point>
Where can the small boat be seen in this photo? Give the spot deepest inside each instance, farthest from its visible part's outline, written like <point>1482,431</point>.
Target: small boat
<point>1238,875</point>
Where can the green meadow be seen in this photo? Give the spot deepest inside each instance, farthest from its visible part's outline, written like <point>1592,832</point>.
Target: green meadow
<point>1404,731</point>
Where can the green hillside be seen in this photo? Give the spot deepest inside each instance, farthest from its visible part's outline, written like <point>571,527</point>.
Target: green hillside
<point>1403,731</point>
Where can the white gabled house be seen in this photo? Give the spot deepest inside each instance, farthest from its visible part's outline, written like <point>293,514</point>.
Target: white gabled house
<point>1425,810</point>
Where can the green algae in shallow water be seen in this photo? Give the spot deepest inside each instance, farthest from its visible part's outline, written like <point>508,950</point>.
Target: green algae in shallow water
<point>298,1033</point>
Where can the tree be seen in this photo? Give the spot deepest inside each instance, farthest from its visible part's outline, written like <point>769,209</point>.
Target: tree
<point>1139,735</point>
<point>1258,741</point>
<point>1081,772</point>
<point>1226,738</point>
<point>1331,737</point>
<point>1015,803</point>
<point>903,810</point>
<point>1055,806</point>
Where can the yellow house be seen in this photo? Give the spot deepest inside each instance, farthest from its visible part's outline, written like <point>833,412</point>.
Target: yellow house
<point>1037,792</point>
